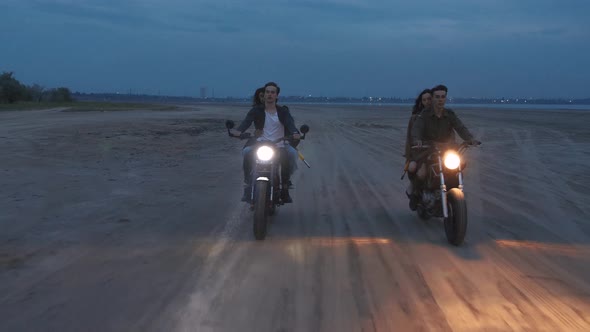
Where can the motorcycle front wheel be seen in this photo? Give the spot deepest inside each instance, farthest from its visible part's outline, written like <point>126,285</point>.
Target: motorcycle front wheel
<point>456,222</point>
<point>260,211</point>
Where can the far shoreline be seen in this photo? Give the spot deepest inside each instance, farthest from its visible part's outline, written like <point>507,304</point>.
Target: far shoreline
<point>95,105</point>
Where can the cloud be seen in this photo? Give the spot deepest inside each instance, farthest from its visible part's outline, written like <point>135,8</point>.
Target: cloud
<point>351,42</point>
<point>306,20</point>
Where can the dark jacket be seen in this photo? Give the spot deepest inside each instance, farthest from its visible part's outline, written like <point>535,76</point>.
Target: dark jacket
<point>408,152</point>
<point>429,127</point>
<point>257,115</point>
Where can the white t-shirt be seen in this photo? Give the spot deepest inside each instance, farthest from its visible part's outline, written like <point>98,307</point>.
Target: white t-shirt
<point>273,128</point>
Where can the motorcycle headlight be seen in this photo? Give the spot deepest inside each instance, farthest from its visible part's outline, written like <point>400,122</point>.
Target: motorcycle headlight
<point>452,160</point>
<point>264,153</point>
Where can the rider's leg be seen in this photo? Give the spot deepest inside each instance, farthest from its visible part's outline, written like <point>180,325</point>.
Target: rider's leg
<point>412,167</point>
<point>293,155</point>
<point>422,172</point>
<point>247,165</point>
<point>410,188</point>
<point>415,186</point>
<point>288,167</point>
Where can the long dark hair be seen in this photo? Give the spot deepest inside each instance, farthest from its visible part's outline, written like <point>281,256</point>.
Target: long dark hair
<point>418,106</point>
<point>255,98</point>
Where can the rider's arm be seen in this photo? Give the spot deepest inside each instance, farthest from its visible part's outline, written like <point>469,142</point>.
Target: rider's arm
<point>417,130</point>
<point>460,127</point>
<point>409,135</point>
<point>290,122</point>
<point>247,121</point>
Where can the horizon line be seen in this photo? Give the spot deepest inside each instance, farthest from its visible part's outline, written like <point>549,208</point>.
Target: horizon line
<point>370,98</point>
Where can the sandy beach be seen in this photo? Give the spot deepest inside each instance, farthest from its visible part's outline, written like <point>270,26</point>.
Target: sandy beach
<point>132,221</point>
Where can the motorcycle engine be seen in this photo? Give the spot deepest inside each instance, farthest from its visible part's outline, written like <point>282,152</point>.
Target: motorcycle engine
<point>429,199</point>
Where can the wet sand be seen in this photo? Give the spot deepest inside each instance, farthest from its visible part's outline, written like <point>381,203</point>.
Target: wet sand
<point>131,221</point>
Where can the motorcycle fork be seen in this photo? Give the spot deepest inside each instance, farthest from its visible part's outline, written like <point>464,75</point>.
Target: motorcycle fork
<point>272,182</point>
<point>443,188</point>
<point>260,170</point>
<point>460,175</point>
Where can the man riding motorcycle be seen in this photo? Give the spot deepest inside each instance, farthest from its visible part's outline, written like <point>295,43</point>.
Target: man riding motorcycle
<point>437,124</point>
<point>271,122</point>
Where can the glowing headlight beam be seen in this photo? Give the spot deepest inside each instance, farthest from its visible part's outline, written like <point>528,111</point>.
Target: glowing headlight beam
<point>264,153</point>
<point>452,160</point>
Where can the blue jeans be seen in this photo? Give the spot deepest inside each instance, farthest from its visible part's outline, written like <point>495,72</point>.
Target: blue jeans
<point>288,157</point>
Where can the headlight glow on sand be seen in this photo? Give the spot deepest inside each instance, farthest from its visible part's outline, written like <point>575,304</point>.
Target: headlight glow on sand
<point>264,153</point>
<point>452,160</point>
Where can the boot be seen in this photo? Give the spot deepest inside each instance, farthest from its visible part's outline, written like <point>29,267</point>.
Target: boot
<point>415,194</point>
<point>413,201</point>
<point>285,197</point>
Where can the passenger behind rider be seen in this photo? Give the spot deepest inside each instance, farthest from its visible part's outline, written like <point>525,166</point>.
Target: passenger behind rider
<point>423,101</point>
<point>258,98</point>
<point>437,124</point>
<point>271,122</point>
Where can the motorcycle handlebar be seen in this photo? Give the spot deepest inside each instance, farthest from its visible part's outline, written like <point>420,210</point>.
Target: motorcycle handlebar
<point>284,138</point>
<point>465,144</point>
<point>242,135</point>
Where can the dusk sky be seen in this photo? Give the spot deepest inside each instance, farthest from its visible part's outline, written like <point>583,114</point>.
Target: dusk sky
<point>354,48</point>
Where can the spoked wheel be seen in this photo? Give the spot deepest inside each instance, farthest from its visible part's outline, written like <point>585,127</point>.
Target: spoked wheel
<point>456,223</point>
<point>260,211</point>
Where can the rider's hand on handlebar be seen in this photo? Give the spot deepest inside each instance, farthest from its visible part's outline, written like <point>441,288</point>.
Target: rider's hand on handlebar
<point>235,133</point>
<point>296,136</point>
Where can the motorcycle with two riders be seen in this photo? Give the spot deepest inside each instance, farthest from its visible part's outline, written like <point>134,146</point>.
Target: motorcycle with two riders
<point>441,192</point>
<point>266,177</point>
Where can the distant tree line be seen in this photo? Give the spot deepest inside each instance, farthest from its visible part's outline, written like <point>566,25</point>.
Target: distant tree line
<point>12,91</point>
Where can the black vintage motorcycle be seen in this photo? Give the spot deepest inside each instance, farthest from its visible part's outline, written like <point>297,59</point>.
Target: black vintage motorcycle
<point>441,194</point>
<point>266,178</point>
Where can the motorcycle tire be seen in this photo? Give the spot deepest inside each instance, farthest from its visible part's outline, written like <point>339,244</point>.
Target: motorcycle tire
<point>456,222</point>
<point>260,211</point>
